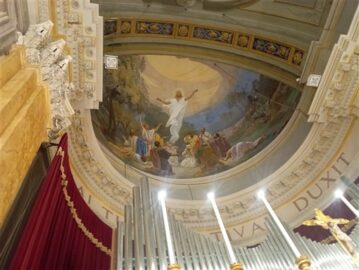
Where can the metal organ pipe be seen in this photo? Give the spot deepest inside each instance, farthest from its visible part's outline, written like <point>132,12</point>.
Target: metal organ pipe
<point>149,231</point>
<point>128,238</point>
<point>138,223</point>
<point>195,251</point>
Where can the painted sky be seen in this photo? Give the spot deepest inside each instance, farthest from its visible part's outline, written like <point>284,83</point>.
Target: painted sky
<point>163,75</point>
<point>220,116</point>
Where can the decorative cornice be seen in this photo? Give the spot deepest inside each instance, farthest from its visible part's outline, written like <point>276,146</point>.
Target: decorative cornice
<point>123,28</point>
<point>90,163</point>
<point>53,64</point>
<point>78,22</point>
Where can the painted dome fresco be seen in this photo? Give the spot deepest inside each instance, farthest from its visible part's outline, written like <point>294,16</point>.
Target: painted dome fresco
<point>180,117</point>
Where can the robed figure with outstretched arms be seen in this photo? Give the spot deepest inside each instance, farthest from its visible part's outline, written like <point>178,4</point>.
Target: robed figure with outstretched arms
<point>177,108</point>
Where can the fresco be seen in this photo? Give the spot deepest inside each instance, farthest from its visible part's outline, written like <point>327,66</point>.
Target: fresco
<point>182,117</point>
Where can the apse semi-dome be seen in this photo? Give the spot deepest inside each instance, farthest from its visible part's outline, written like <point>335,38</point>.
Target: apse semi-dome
<point>177,118</point>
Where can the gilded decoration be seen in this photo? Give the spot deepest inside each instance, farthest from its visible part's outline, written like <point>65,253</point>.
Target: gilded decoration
<point>125,27</point>
<point>331,224</point>
<point>183,30</point>
<point>177,30</point>
<point>272,48</point>
<point>297,57</point>
<point>157,28</point>
<point>243,41</point>
<point>347,228</point>
<point>212,34</point>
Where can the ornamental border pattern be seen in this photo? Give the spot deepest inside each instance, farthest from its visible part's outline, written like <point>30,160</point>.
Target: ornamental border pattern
<point>128,27</point>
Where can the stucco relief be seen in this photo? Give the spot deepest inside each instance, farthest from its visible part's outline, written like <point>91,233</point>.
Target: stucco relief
<point>122,28</point>
<point>80,22</point>
<point>53,63</point>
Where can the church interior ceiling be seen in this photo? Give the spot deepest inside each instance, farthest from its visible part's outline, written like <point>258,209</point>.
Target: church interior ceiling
<point>247,60</point>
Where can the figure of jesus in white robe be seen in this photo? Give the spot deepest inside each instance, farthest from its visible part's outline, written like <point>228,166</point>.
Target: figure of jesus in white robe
<point>177,108</point>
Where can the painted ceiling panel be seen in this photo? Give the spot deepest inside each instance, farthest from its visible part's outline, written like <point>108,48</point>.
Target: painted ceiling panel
<point>187,118</point>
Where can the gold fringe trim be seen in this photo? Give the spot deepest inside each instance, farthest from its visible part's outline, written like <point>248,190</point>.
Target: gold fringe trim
<point>70,204</point>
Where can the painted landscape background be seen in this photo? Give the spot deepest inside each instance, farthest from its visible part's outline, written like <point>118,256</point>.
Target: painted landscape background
<point>234,114</point>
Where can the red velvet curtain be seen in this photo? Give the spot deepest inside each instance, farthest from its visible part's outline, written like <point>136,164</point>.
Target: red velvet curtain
<point>62,232</point>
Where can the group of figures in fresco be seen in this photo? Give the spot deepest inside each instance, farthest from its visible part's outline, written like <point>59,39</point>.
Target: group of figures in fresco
<point>160,139</point>
<point>201,151</point>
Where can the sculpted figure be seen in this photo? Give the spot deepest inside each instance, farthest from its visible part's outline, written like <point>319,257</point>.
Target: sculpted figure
<point>331,224</point>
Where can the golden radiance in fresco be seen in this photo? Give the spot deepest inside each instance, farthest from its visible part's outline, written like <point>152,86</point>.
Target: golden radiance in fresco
<point>185,118</point>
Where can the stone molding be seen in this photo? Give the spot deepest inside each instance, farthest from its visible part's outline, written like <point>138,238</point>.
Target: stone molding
<point>120,30</point>
<point>47,54</point>
<point>78,22</point>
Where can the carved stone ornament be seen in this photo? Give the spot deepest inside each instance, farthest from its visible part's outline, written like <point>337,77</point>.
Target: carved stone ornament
<point>53,64</point>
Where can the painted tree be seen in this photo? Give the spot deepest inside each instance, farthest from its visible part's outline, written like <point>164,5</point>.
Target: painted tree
<point>124,91</point>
